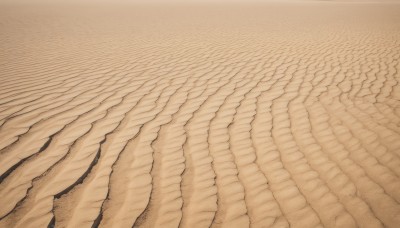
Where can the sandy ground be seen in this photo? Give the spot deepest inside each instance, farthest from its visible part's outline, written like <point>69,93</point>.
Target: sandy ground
<point>218,115</point>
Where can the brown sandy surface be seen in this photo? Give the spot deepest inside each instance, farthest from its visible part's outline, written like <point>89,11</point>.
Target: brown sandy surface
<point>178,115</point>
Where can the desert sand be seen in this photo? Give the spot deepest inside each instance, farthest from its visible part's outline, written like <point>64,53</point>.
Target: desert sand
<point>280,114</point>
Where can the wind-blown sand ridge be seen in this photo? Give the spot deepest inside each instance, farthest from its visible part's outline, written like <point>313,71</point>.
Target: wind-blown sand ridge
<point>200,115</point>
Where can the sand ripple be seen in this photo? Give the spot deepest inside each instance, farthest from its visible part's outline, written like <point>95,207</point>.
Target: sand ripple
<point>271,115</point>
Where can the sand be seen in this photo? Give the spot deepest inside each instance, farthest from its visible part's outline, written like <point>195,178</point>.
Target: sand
<point>200,115</point>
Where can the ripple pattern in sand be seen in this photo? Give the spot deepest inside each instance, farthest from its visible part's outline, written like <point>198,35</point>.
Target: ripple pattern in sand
<point>261,118</point>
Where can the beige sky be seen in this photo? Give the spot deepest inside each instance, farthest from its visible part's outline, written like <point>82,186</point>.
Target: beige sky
<point>184,1</point>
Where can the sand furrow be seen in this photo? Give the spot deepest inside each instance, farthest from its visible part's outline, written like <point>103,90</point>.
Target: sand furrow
<point>346,178</point>
<point>15,187</point>
<point>231,205</point>
<point>64,94</point>
<point>86,201</point>
<point>337,215</point>
<point>99,180</point>
<point>200,199</point>
<point>168,165</point>
<point>372,188</point>
<point>37,138</point>
<point>269,158</point>
<point>145,111</point>
<point>228,114</point>
<point>115,115</point>
<point>29,123</point>
<point>373,166</point>
<point>265,209</point>
<point>379,141</point>
<point>139,182</point>
<point>74,114</point>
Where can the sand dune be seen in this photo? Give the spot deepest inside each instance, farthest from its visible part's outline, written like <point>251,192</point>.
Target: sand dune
<point>202,115</point>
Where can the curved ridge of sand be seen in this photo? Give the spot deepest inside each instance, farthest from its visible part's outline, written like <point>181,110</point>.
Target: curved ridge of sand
<point>205,115</point>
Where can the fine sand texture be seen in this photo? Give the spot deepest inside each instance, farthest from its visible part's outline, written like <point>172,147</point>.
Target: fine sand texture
<point>200,115</point>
